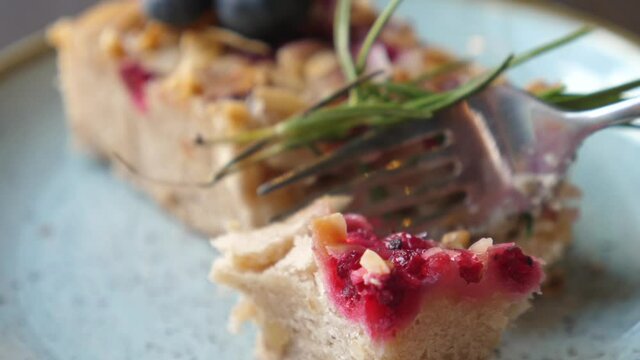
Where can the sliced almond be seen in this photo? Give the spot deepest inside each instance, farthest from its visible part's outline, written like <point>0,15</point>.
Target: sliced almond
<point>374,264</point>
<point>111,44</point>
<point>481,246</point>
<point>456,239</point>
<point>329,230</point>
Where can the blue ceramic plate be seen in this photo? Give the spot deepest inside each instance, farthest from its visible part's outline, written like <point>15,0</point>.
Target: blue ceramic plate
<point>89,269</point>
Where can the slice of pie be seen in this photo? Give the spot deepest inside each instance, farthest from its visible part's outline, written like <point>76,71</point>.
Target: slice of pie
<point>322,285</point>
<point>146,91</point>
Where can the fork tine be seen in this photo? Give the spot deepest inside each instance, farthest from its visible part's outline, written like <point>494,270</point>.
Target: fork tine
<point>380,139</point>
<point>419,217</point>
<point>412,202</point>
<point>426,164</point>
<point>435,166</point>
<point>432,176</point>
<point>438,219</point>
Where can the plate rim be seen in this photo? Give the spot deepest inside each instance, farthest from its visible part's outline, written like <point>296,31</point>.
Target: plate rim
<point>35,45</point>
<point>22,51</point>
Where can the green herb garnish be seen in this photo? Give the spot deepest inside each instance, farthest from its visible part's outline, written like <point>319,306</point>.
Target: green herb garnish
<point>374,33</point>
<point>388,112</point>
<point>342,41</point>
<point>577,102</point>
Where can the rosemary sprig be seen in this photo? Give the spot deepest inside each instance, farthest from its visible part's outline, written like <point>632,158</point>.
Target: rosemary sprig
<point>374,33</point>
<point>341,33</point>
<point>405,90</point>
<point>389,112</point>
<point>592,100</point>
<point>443,69</point>
<point>551,93</point>
<point>383,135</point>
<point>343,91</point>
<point>536,52</point>
<point>324,119</point>
<point>442,100</point>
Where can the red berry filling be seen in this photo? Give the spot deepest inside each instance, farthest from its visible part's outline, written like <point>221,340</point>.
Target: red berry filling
<point>135,78</point>
<point>386,302</point>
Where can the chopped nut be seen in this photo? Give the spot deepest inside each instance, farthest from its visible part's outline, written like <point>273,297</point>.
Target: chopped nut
<point>329,230</point>
<point>456,239</point>
<point>236,114</point>
<point>184,81</point>
<point>400,36</point>
<point>237,41</point>
<point>541,86</point>
<point>292,57</point>
<point>274,104</point>
<point>200,50</point>
<point>374,264</point>
<point>111,43</point>
<point>481,246</point>
<point>197,53</point>
<point>363,13</point>
<point>153,36</point>
<point>320,65</point>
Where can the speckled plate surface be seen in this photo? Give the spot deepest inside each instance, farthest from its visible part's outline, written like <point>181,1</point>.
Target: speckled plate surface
<point>89,269</point>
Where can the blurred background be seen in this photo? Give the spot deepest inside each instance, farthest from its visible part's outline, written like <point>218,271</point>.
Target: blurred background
<point>22,17</point>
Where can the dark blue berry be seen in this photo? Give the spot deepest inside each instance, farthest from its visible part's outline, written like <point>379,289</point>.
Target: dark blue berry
<point>263,19</point>
<point>176,12</point>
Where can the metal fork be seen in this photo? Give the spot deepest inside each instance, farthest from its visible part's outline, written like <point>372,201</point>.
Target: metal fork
<point>500,153</point>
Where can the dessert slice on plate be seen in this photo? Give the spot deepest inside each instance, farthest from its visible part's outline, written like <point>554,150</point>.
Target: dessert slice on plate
<point>322,285</point>
<point>146,82</point>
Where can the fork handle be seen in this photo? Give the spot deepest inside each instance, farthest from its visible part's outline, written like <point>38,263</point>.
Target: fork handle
<point>591,121</point>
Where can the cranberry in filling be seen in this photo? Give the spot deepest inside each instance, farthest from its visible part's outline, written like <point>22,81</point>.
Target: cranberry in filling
<point>516,269</point>
<point>135,78</point>
<point>382,282</point>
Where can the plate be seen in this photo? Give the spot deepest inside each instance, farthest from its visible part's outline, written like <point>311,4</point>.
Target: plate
<point>90,269</point>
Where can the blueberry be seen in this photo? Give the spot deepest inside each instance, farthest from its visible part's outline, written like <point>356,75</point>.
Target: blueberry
<point>176,12</point>
<point>262,19</point>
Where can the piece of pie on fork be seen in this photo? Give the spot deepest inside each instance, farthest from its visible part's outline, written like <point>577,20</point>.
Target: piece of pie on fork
<point>322,285</point>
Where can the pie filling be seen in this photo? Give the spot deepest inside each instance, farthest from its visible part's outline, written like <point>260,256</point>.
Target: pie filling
<point>135,77</point>
<point>382,282</point>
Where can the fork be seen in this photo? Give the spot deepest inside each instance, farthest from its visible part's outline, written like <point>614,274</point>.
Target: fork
<point>500,153</point>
